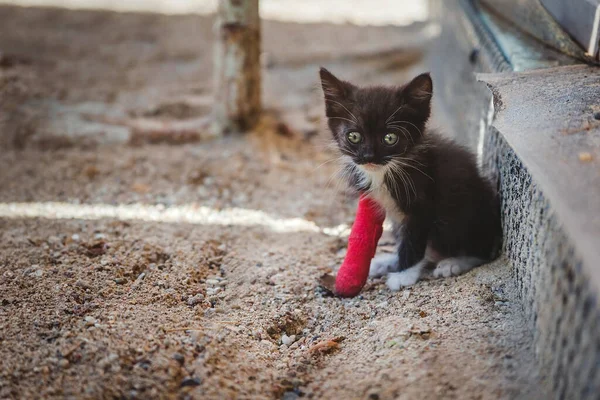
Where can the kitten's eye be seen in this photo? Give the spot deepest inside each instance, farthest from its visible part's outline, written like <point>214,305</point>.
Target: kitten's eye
<point>390,139</point>
<point>354,137</point>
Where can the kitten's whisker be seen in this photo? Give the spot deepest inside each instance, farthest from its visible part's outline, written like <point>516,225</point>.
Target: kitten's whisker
<point>407,164</point>
<point>342,118</point>
<point>410,160</point>
<point>404,131</point>
<point>409,185</point>
<point>399,167</point>
<point>327,162</point>
<point>339,174</point>
<point>410,123</point>
<point>394,113</point>
<point>344,107</point>
<point>402,176</point>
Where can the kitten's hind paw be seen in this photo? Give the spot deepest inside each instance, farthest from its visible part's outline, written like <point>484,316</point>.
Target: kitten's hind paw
<point>455,266</point>
<point>383,265</point>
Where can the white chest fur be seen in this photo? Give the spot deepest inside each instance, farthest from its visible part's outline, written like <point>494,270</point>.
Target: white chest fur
<point>380,192</point>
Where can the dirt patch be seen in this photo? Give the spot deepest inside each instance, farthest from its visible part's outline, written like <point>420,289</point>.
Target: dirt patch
<point>148,309</point>
<point>172,309</point>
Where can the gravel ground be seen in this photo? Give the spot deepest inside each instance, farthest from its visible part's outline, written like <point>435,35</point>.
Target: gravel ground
<point>137,308</point>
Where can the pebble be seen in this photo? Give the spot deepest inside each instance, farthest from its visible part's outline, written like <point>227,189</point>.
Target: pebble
<point>290,396</point>
<point>212,291</point>
<point>82,284</point>
<point>288,340</point>
<point>90,321</point>
<point>193,300</point>
<point>63,363</point>
<point>585,156</point>
<point>179,358</point>
<point>75,237</point>
<point>212,282</point>
<point>191,382</point>
<point>120,281</point>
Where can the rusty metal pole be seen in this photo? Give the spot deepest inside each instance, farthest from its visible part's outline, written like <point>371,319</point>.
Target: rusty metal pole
<point>237,67</point>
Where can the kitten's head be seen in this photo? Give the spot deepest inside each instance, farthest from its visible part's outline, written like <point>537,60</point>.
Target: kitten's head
<point>372,125</point>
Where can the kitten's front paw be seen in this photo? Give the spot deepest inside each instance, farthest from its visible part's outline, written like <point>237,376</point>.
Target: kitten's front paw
<point>397,280</point>
<point>383,265</point>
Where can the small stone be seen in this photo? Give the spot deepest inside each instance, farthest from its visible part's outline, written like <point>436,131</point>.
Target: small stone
<point>288,340</point>
<point>383,304</point>
<point>63,363</point>
<point>38,273</point>
<point>193,300</point>
<point>82,284</point>
<point>90,321</point>
<point>120,281</point>
<point>585,156</point>
<point>179,358</point>
<point>212,282</point>
<point>290,396</point>
<point>75,237</point>
<point>191,382</point>
<point>223,283</point>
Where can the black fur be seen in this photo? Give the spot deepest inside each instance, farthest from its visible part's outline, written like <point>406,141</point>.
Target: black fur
<point>447,204</point>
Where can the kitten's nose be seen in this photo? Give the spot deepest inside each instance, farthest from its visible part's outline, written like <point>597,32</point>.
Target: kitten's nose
<point>368,158</point>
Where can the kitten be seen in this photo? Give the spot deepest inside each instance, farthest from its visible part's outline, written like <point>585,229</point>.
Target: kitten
<point>445,214</point>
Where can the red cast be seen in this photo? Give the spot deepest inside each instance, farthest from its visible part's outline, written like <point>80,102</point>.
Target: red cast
<point>362,244</point>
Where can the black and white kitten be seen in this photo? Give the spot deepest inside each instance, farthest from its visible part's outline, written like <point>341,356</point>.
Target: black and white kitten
<point>445,214</point>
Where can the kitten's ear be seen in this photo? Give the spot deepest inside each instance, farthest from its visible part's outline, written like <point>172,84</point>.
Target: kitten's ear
<point>418,91</point>
<point>334,90</point>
